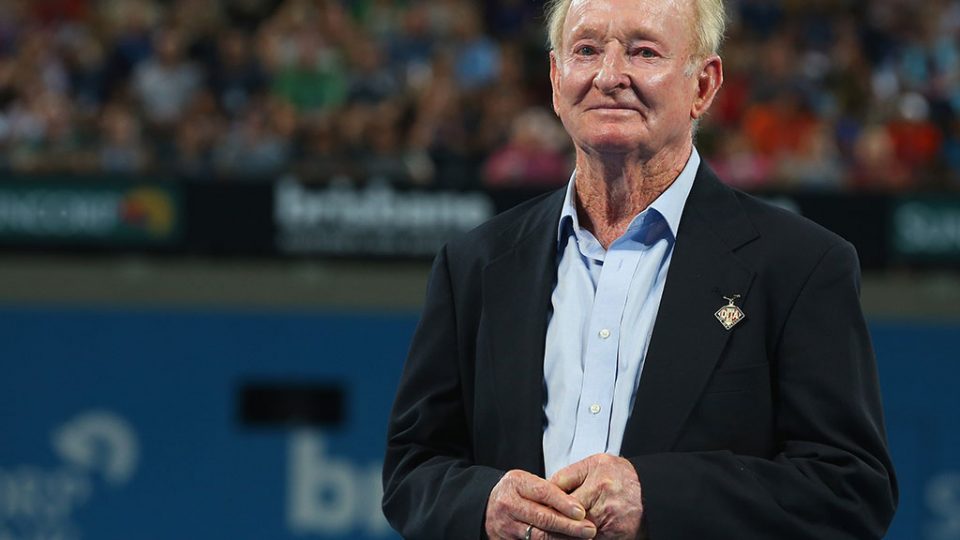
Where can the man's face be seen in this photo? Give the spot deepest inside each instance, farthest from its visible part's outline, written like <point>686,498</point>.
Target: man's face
<point>623,79</point>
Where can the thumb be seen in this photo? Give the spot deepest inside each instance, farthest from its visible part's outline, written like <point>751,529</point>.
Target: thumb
<point>572,476</point>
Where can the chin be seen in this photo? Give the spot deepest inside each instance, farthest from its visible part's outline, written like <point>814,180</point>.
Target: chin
<point>614,139</point>
<point>613,144</point>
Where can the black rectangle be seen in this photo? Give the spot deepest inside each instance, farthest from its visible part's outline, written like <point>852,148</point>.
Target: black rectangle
<point>229,218</point>
<point>291,404</point>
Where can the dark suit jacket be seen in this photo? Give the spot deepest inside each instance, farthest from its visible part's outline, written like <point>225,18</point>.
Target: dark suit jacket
<point>771,430</point>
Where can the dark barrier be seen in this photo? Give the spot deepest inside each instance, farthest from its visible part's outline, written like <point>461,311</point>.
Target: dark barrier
<point>289,219</point>
<point>170,424</point>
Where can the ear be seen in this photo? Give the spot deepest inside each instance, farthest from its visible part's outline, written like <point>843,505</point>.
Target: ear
<point>709,80</point>
<point>555,82</point>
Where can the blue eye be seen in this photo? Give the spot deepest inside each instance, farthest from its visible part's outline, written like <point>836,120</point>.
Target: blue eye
<point>647,53</point>
<point>586,50</point>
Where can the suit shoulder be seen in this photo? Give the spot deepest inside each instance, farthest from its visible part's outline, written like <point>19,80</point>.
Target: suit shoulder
<point>791,247</point>
<point>784,226</point>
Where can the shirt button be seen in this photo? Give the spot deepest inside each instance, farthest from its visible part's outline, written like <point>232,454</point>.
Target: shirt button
<point>604,334</point>
<point>595,408</point>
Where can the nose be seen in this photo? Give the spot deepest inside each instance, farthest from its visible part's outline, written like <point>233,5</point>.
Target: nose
<point>612,75</point>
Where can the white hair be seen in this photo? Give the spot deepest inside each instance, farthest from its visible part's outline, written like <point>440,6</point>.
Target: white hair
<point>708,27</point>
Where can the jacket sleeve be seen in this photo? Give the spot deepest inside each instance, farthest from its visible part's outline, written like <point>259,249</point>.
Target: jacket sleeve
<point>832,477</point>
<point>432,489</point>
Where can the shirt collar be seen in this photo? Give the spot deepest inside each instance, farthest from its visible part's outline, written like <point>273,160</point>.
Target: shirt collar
<point>669,204</point>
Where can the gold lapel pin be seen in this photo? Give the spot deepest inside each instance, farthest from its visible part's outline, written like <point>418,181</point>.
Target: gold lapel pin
<point>729,315</point>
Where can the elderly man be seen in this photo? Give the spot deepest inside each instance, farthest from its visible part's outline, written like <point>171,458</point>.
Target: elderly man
<point>647,353</point>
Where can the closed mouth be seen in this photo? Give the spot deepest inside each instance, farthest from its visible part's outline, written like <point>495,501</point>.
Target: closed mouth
<point>611,108</point>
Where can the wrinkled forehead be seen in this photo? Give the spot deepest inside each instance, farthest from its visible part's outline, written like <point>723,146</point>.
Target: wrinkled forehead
<point>673,18</point>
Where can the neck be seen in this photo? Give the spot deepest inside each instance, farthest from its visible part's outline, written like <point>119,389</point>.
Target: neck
<point>612,190</point>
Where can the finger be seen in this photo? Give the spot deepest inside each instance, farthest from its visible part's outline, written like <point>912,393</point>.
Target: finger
<point>596,489</point>
<point>588,494</point>
<point>548,520</point>
<point>572,476</point>
<point>537,534</point>
<point>520,531</point>
<point>539,490</point>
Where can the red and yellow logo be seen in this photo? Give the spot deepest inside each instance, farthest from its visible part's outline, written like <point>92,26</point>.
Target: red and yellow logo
<point>149,209</point>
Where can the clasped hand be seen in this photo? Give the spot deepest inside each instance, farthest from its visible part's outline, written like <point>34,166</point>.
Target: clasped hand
<point>598,497</point>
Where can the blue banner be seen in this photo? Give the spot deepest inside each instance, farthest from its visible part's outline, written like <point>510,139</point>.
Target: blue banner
<point>120,424</point>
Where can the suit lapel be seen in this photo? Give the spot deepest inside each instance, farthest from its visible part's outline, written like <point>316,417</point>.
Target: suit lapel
<point>516,299</point>
<point>687,339</point>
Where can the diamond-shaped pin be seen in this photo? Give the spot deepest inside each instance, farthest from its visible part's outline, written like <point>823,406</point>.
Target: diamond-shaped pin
<point>729,315</point>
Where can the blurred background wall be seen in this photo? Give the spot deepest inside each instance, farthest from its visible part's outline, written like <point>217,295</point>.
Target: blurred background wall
<point>217,217</point>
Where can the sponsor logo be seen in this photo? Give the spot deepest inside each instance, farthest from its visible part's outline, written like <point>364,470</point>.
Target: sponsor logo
<point>331,495</point>
<point>39,503</point>
<point>376,220</point>
<point>943,501</point>
<point>76,214</point>
<point>931,229</point>
<point>148,209</point>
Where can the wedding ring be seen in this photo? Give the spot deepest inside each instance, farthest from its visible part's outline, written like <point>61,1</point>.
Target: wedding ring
<point>526,535</point>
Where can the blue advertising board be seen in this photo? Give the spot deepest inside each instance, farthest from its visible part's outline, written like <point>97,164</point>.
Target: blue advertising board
<point>120,424</point>
<point>919,376</point>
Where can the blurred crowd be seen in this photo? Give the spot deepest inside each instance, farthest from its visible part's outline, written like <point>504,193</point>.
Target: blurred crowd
<point>819,94</point>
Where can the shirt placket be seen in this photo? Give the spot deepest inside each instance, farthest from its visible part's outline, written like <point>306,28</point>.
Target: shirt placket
<point>602,353</point>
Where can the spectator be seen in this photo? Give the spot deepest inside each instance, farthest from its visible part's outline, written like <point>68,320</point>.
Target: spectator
<point>876,166</point>
<point>509,19</point>
<point>86,67</point>
<point>384,158</point>
<point>815,164</point>
<point>780,126</point>
<point>371,81</point>
<point>381,18</point>
<point>439,127</point>
<point>257,147</point>
<point>740,165</point>
<point>916,141</point>
<point>122,149</point>
<point>315,79</point>
<point>165,83</point>
<point>477,56</point>
<point>129,24</point>
<point>195,138</point>
<point>236,76</point>
<point>412,49</point>
<point>320,158</point>
<point>535,155</point>
<point>504,100</point>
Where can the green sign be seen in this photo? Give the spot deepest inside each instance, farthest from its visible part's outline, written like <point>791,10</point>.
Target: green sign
<point>134,214</point>
<point>926,228</point>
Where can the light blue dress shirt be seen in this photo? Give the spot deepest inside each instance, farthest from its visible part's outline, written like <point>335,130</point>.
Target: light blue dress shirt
<point>604,306</point>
